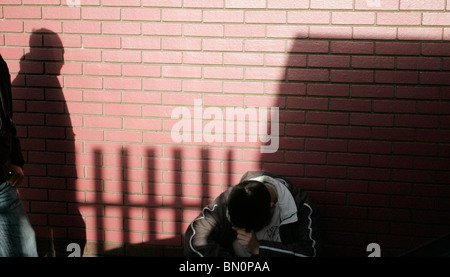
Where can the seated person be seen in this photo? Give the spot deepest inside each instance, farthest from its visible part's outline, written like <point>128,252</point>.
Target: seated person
<point>264,215</point>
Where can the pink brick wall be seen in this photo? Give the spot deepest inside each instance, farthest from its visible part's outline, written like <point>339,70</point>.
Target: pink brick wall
<point>362,88</point>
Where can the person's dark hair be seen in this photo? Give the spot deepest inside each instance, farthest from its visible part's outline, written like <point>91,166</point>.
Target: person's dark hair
<point>249,205</point>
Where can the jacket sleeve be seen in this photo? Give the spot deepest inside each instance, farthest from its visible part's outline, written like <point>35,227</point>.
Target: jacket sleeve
<point>299,239</point>
<point>207,234</point>
<point>11,150</point>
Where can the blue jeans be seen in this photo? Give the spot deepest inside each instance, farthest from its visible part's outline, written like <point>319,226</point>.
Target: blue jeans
<point>17,238</point>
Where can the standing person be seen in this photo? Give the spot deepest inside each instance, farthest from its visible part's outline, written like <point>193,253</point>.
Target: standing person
<point>264,215</point>
<point>17,236</point>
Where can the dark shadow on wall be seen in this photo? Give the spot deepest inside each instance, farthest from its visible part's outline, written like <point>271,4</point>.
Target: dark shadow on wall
<point>365,130</point>
<point>49,147</point>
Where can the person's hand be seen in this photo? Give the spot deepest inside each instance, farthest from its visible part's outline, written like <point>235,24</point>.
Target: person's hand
<point>16,175</point>
<point>248,240</point>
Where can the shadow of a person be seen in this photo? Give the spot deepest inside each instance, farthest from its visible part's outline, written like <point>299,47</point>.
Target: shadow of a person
<point>49,147</point>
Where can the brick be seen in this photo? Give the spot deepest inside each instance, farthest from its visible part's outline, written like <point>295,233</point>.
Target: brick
<point>181,44</point>
<point>407,92</point>
<point>229,45</point>
<point>103,122</point>
<point>306,17</point>
<point>142,124</point>
<point>181,72</point>
<point>419,33</point>
<point>352,76</point>
<point>162,3</point>
<point>201,30</point>
<point>390,161</point>
<point>327,118</point>
<point>374,147</point>
<point>308,46</point>
<point>437,108</point>
<point>247,31</point>
<point>203,4</point>
<point>361,18</point>
<point>250,4</point>
<point>373,62</point>
<point>102,96</point>
<point>325,171</point>
<point>435,49</point>
<point>326,145</point>
<point>418,63</point>
<point>396,77</point>
<point>22,12</point>
<point>61,13</point>
<point>123,136</point>
<point>396,19</point>
<point>122,28</point>
<point>223,100</point>
<point>308,103</point>
<point>393,134</point>
<point>376,5</point>
<point>334,32</point>
<point>349,132</point>
<point>122,83</point>
<point>138,70</point>
<point>265,74</point>
<point>351,47</point>
<point>397,48</point>
<point>202,86</point>
<point>82,27</point>
<point>159,29</point>
<point>44,26</point>
<point>223,73</point>
<point>434,78</point>
<point>406,175</point>
<point>422,5</point>
<point>286,31</point>
<point>130,3</point>
<point>124,56</point>
<point>173,15</point>
<point>162,84</point>
<point>225,16</point>
<point>306,130</point>
<point>384,33</point>
<point>243,87</point>
<point>327,5</point>
<point>141,43</point>
<point>121,110</point>
<point>265,17</point>
<point>92,55</point>
<point>243,59</point>
<point>298,74</point>
<point>287,4</point>
<point>328,89</point>
<point>101,42</point>
<point>137,14</point>
<point>372,119</point>
<point>390,188</point>
<point>11,26</point>
<point>162,57</point>
<point>328,61</point>
<point>368,200</point>
<point>83,82</point>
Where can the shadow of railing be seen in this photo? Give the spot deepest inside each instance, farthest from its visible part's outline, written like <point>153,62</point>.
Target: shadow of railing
<point>151,212</point>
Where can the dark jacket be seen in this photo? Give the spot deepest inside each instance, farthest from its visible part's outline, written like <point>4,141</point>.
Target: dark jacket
<point>211,235</point>
<point>10,151</point>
